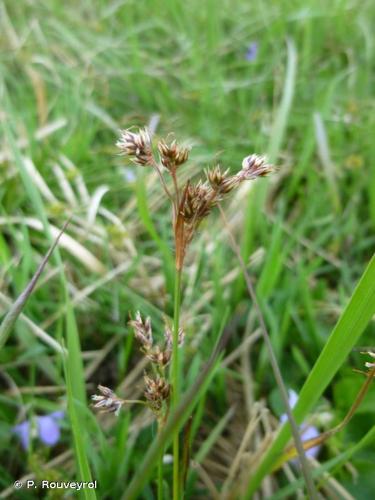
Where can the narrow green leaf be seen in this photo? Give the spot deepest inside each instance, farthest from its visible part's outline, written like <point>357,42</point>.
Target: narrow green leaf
<point>344,336</point>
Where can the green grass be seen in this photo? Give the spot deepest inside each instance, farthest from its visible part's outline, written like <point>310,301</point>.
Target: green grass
<point>306,100</point>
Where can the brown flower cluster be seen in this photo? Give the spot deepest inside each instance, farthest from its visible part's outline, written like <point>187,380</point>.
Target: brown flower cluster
<point>107,401</point>
<point>172,155</point>
<point>156,392</point>
<point>198,200</point>
<point>157,388</point>
<point>191,203</point>
<point>138,146</point>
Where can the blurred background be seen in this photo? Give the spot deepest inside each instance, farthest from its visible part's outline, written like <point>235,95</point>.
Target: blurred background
<point>293,80</point>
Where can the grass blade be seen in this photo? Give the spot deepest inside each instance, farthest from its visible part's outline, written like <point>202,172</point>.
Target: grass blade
<point>16,309</point>
<point>347,331</point>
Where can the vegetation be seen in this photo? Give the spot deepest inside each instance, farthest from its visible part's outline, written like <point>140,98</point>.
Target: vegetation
<point>291,80</point>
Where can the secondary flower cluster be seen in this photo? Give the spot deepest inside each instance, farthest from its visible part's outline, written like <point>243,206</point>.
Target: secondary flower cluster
<point>107,401</point>
<point>143,333</point>
<point>157,389</point>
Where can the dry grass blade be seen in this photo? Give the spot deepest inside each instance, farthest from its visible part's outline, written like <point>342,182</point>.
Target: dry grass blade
<point>71,245</point>
<point>15,310</point>
<point>34,328</point>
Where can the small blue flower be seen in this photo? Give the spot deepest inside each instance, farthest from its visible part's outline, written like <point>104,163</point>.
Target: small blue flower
<point>252,51</point>
<point>23,432</point>
<point>307,431</point>
<point>47,429</point>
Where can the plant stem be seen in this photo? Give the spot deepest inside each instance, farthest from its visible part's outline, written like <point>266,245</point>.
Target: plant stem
<point>175,379</point>
<point>160,470</point>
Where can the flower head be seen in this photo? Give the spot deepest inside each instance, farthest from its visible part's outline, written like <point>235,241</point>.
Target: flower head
<point>136,146</point>
<point>220,181</point>
<point>107,401</point>
<point>46,428</point>
<point>254,166</point>
<point>198,201</point>
<point>172,155</point>
<point>156,391</point>
<point>142,331</point>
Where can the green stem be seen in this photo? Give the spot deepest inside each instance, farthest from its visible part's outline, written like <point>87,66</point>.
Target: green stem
<point>175,379</point>
<point>160,473</point>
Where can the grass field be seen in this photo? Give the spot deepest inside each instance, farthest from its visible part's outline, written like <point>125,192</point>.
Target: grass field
<point>291,80</point>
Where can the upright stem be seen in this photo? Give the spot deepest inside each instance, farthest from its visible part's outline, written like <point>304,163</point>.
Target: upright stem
<point>175,379</point>
<point>160,469</point>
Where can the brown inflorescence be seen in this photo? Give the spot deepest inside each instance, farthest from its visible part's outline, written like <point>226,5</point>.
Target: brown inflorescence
<point>157,391</point>
<point>142,331</point>
<point>136,146</point>
<point>172,155</point>
<point>156,388</point>
<point>107,401</point>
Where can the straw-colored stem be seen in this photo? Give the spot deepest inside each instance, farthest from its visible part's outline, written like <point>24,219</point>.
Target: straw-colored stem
<point>175,184</point>
<point>175,383</point>
<point>163,183</point>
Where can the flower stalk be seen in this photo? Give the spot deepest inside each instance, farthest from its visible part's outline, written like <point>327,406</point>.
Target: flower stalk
<point>175,381</point>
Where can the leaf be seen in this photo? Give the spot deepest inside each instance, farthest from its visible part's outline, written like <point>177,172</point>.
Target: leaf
<point>16,309</point>
<point>354,319</point>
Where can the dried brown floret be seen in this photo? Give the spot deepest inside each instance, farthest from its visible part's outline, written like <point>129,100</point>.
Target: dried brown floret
<point>159,356</point>
<point>157,390</point>
<point>220,181</point>
<point>142,331</point>
<point>107,401</point>
<point>172,155</point>
<point>254,166</point>
<point>136,146</point>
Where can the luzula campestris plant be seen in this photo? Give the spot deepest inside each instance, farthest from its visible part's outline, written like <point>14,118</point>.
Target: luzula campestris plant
<point>191,203</point>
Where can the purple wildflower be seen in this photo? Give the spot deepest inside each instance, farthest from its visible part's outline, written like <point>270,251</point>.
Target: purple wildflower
<point>307,431</point>
<point>47,429</point>
<point>252,51</point>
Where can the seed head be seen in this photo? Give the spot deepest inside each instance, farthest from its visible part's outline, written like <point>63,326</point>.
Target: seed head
<point>221,182</point>
<point>142,331</point>
<point>159,356</point>
<point>156,391</point>
<point>136,146</point>
<point>198,202</point>
<point>172,155</point>
<point>107,401</point>
<point>254,166</point>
